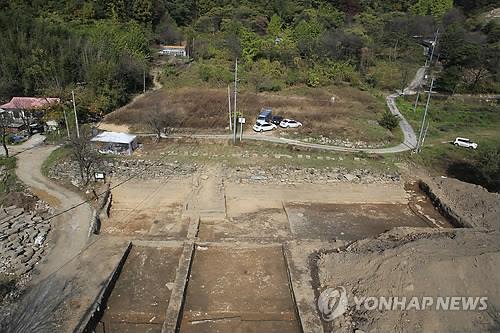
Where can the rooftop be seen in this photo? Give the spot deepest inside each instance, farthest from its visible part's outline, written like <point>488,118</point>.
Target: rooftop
<point>114,137</point>
<point>173,47</point>
<point>30,103</point>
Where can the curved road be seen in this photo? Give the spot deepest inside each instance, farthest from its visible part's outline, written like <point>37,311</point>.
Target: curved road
<point>69,233</point>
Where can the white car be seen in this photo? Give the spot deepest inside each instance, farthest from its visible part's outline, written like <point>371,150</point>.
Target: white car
<point>464,142</point>
<point>290,123</point>
<point>263,127</point>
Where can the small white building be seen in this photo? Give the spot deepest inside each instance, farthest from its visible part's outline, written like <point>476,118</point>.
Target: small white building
<point>115,143</point>
<point>173,50</point>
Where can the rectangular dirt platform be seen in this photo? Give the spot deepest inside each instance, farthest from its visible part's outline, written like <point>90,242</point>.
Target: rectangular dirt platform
<point>235,288</point>
<point>139,300</point>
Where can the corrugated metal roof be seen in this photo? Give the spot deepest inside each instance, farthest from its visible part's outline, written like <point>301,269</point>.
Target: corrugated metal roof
<point>114,137</point>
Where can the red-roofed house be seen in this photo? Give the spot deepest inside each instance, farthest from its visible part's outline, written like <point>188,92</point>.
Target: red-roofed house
<point>18,105</point>
<point>26,112</point>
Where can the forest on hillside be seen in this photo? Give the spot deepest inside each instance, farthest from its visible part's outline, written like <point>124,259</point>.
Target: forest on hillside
<point>103,48</point>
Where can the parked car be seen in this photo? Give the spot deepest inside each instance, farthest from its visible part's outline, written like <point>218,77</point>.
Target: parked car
<point>290,123</point>
<point>464,142</point>
<point>263,127</point>
<point>276,120</point>
<point>16,138</point>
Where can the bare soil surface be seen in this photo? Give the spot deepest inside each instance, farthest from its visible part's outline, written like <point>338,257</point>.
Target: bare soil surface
<point>239,289</point>
<point>472,204</point>
<point>69,233</point>
<point>149,209</point>
<point>406,263</point>
<point>348,221</point>
<point>59,302</point>
<point>264,253</point>
<point>139,300</point>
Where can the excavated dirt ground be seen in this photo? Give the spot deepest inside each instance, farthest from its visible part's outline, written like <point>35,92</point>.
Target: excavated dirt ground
<point>404,264</point>
<point>239,276</point>
<point>139,300</point>
<point>239,289</point>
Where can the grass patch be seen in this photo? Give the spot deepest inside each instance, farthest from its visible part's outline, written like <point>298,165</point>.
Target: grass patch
<point>55,157</point>
<point>353,116</point>
<point>450,119</point>
<point>8,180</point>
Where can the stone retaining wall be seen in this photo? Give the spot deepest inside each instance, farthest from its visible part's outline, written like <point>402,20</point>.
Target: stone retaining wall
<point>22,239</point>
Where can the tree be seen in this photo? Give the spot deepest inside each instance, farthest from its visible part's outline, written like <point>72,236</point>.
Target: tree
<point>85,154</point>
<point>436,8</point>
<point>142,11</point>
<point>5,120</point>
<point>159,121</point>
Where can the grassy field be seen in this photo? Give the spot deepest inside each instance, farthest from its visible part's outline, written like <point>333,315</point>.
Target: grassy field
<point>352,116</point>
<point>449,119</point>
<point>8,179</point>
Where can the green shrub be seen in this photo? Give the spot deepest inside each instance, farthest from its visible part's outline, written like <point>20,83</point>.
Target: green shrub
<point>7,284</point>
<point>269,85</point>
<point>389,121</point>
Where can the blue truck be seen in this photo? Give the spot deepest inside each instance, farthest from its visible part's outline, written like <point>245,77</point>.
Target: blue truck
<point>265,115</point>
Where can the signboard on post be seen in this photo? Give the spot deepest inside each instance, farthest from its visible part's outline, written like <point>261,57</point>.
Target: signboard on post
<point>241,120</point>
<point>99,176</point>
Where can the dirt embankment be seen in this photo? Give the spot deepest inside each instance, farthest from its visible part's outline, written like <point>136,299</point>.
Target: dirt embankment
<point>417,263</point>
<point>405,263</point>
<point>470,205</point>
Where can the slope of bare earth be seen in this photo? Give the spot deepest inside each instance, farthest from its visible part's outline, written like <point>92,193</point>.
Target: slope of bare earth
<point>472,205</point>
<point>406,263</point>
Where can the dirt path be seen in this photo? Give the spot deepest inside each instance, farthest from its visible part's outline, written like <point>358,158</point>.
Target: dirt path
<point>69,230</point>
<point>155,71</point>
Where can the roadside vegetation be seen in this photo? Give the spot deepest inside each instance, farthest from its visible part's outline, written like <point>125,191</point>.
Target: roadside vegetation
<point>451,118</point>
<point>8,179</point>
<point>58,155</point>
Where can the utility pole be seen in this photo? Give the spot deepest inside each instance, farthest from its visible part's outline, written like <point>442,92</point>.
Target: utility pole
<point>425,134</point>
<point>76,116</point>
<point>235,94</point>
<point>416,100</point>
<point>424,118</point>
<point>229,105</point>
<point>434,46</point>
<point>144,79</point>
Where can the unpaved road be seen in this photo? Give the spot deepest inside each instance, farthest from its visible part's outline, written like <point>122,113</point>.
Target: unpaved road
<point>69,230</point>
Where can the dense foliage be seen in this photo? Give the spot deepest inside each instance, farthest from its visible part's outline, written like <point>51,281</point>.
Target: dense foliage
<point>50,46</point>
<point>43,54</point>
